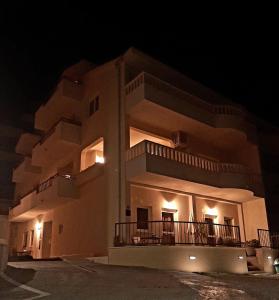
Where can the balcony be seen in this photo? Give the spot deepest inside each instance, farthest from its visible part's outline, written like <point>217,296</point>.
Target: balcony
<point>175,109</point>
<point>154,164</point>
<point>25,171</point>
<point>176,233</point>
<point>62,138</point>
<point>55,191</point>
<point>64,102</point>
<point>26,143</point>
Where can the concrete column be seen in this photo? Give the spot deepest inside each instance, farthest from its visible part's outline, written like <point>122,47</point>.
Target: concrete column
<point>241,222</point>
<point>192,209</point>
<point>4,237</point>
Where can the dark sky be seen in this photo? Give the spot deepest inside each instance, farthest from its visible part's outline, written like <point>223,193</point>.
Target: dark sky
<point>37,44</point>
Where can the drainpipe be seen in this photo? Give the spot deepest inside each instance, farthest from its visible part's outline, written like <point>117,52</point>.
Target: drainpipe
<point>119,64</point>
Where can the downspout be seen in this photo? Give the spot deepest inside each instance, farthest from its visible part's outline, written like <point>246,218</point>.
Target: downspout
<point>119,67</point>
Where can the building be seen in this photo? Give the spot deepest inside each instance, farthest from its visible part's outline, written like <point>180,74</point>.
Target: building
<point>9,135</point>
<point>135,154</point>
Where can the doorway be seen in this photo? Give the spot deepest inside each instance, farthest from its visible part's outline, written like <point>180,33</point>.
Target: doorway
<point>47,233</point>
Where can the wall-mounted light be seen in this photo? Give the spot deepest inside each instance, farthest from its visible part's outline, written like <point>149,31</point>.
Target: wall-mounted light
<point>192,257</point>
<point>100,159</point>
<point>170,205</point>
<point>269,257</point>
<point>211,211</point>
<point>240,257</point>
<point>38,226</point>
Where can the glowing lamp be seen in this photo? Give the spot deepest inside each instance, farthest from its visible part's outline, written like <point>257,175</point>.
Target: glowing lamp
<point>191,257</point>
<point>100,159</point>
<point>240,257</point>
<point>38,226</point>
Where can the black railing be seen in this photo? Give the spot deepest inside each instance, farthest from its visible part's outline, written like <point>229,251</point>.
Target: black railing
<point>269,239</point>
<point>176,233</point>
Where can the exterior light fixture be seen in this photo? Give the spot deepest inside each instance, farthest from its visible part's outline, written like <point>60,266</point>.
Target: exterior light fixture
<point>191,257</point>
<point>38,226</point>
<point>269,257</point>
<point>100,159</point>
<point>240,257</point>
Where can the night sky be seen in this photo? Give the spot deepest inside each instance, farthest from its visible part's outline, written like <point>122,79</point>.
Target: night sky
<point>37,45</point>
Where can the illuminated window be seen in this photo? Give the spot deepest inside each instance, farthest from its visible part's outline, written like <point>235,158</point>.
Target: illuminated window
<point>94,105</point>
<point>92,154</point>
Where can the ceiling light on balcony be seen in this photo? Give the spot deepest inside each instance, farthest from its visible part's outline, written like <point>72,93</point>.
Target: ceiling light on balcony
<point>100,159</point>
<point>211,211</point>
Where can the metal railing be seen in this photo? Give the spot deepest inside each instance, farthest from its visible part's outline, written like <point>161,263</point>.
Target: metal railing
<point>146,233</point>
<point>268,238</point>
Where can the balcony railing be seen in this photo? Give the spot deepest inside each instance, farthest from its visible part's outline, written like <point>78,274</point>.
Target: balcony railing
<point>146,233</point>
<point>145,78</point>
<point>52,129</point>
<point>42,187</point>
<point>269,239</point>
<point>184,158</point>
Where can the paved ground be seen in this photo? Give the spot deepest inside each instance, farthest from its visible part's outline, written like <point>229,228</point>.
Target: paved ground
<point>85,280</point>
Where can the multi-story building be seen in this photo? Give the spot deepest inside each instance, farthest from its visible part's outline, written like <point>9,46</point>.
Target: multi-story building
<point>136,154</point>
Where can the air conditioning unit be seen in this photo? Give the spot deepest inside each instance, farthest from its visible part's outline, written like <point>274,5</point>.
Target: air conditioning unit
<point>180,139</point>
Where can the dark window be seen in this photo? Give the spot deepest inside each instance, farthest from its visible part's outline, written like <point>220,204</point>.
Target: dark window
<point>60,228</point>
<point>94,105</point>
<point>210,226</point>
<point>167,219</point>
<point>142,218</point>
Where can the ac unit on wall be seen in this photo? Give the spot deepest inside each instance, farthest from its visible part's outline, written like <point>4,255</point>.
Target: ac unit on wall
<point>180,139</point>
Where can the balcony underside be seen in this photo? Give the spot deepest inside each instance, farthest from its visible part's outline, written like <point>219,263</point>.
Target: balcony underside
<point>147,96</point>
<point>62,191</point>
<point>142,116</point>
<point>155,171</point>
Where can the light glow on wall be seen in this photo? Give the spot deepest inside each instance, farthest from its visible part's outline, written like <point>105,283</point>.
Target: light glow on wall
<point>38,227</point>
<point>170,204</point>
<point>240,257</point>
<point>192,257</point>
<point>100,159</point>
<point>211,211</point>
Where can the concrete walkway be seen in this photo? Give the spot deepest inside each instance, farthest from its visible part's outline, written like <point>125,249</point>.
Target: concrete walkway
<point>86,280</point>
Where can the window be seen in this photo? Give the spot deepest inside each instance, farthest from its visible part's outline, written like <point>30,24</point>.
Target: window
<point>167,219</point>
<point>60,228</point>
<point>142,218</point>
<point>25,239</point>
<point>210,225</point>
<point>94,105</point>
<point>32,238</point>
